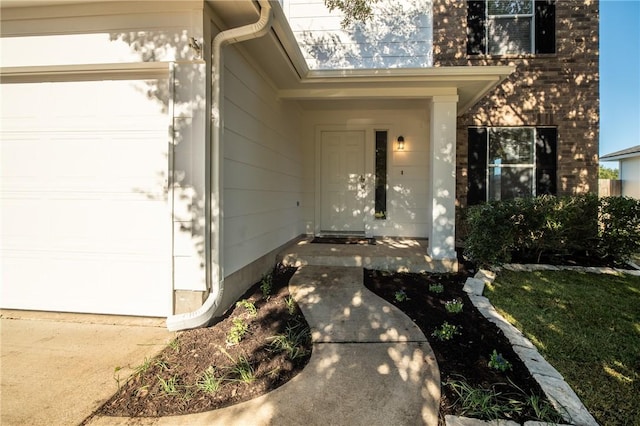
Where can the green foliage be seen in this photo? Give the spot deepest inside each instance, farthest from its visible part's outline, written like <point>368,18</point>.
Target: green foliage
<point>606,173</point>
<point>445,332</point>
<point>266,286</point>
<point>291,305</point>
<point>453,306</point>
<point>354,10</point>
<point>436,288</point>
<point>491,404</point>
<point>249,306</point>
<point>491,233</point>
<point>209,382</point>
<point>175,345</point>
<point>401,296</point>
<point>498,362</point>
<point>237,332</point>
<point>242,370</point>
<point>169,386</point>
<point>293,340</point>
<point>620,228</point>
<point>555,226</point>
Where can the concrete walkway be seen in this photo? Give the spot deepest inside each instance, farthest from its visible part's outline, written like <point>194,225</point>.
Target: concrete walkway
<point>370,365</point>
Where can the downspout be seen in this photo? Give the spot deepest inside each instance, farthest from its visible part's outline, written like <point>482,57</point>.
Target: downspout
<point>214,214</point>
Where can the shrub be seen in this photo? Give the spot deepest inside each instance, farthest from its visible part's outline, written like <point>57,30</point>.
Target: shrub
<point>619,235</point>
<point>491,233</point>
<point>554,226</point>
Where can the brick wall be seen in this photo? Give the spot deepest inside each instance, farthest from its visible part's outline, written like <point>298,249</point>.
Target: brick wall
<point>558,89</point>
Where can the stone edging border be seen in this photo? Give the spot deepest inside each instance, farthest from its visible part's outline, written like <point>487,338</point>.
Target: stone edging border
<point>550,380</point>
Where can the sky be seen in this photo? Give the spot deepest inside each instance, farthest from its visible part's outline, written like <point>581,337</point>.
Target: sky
<point>619,76</point>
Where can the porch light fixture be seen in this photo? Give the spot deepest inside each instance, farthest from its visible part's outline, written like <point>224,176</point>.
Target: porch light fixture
<point>400,143</point>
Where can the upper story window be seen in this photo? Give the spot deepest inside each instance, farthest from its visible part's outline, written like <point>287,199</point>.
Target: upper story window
<point>510,27</point>
<point>399,35</point>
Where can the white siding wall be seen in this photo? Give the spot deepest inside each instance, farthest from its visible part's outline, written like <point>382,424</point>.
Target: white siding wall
<point>630,176</point>
<point>407,210</point>
<point>400,35</point>
<point>262,166</point>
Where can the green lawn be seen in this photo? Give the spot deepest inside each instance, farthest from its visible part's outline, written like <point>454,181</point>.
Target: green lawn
<point>588,327</point>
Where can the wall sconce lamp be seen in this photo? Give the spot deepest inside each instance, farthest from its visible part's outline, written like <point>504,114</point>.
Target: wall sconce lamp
<point>400,143</point>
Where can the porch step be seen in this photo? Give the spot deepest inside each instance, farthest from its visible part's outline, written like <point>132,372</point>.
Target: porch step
<point>397,255</point>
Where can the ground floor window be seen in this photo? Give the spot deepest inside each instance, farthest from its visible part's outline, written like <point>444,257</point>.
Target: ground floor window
<point>381,174</point>
<point>511,162</point>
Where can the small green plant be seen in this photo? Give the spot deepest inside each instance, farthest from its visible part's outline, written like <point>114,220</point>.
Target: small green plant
<point>175,345</point>
<point>249,306</point>
<point>242,370</point>
<point>209,382</point>
<point>401,296</point>
<point>498,362</point>
<point>142,368</point>
<point>436,288</point>
<point>291,305</point>
<point>445,332</point>
<point>454,306</point>
<point>237,332</point>
<point>116,376</point>
<point>491,404</point>
<point>292,342</point>
<point>169,386</point>
<point>486,404</point>
<point>266,286</point>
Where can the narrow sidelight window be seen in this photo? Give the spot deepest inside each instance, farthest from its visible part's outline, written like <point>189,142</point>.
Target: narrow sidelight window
<point>381,174</point>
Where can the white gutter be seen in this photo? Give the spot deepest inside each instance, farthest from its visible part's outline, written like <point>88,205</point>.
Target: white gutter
<point>203,315</point>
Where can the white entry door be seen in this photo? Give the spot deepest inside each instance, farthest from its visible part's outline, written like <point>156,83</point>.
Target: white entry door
<point>343,190</point>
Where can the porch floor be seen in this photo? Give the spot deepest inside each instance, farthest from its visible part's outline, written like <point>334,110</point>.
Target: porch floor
<point>387,254</point>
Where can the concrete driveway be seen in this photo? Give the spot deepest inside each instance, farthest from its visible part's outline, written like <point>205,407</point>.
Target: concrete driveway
<point>57,369</point>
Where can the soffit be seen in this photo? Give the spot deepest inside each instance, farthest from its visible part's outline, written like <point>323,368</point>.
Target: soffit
<point>279,56</point>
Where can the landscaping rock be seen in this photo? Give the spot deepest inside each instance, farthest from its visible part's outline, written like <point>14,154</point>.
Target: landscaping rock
<point>565,401</point>
<point>536,363</point>
<point>474,286</point>
<point>466,421</point>
<point>485,275</point>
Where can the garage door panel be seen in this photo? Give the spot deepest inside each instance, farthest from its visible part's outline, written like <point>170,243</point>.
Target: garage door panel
<point>99,283</point>
<point>49,224</point>
<point>86,226</point>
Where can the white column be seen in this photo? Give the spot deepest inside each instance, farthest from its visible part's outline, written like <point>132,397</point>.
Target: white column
<point>442,178</point>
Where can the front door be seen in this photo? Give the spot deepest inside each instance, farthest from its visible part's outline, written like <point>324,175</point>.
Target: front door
<point>343,187</point>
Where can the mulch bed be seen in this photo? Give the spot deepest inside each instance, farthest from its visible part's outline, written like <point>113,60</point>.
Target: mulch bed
<point>467,355</point>
<point>194,351</point>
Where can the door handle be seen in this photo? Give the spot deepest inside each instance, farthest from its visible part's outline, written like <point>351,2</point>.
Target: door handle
<point>362,181</point>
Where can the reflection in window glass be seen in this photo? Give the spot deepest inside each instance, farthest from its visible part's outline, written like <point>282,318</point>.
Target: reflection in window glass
<point>381,174</point>
<point>509,26</point>
<point>511,162</point>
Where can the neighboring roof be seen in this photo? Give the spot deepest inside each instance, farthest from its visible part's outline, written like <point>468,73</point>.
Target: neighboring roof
<point>634,151</point>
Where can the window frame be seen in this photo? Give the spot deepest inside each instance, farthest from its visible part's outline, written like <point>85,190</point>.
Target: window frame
<point>543,29</point>
<point>381,182</point>
<point>532,29</point>
<point>490,167</point>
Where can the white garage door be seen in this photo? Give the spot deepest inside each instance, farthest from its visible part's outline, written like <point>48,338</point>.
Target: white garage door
<point>85,225</point>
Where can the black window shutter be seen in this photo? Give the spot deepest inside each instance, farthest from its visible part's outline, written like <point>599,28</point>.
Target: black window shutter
<point>545,26</point>
<point>476,18</point>
<point>546,160</point>
<point>477,159</point>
